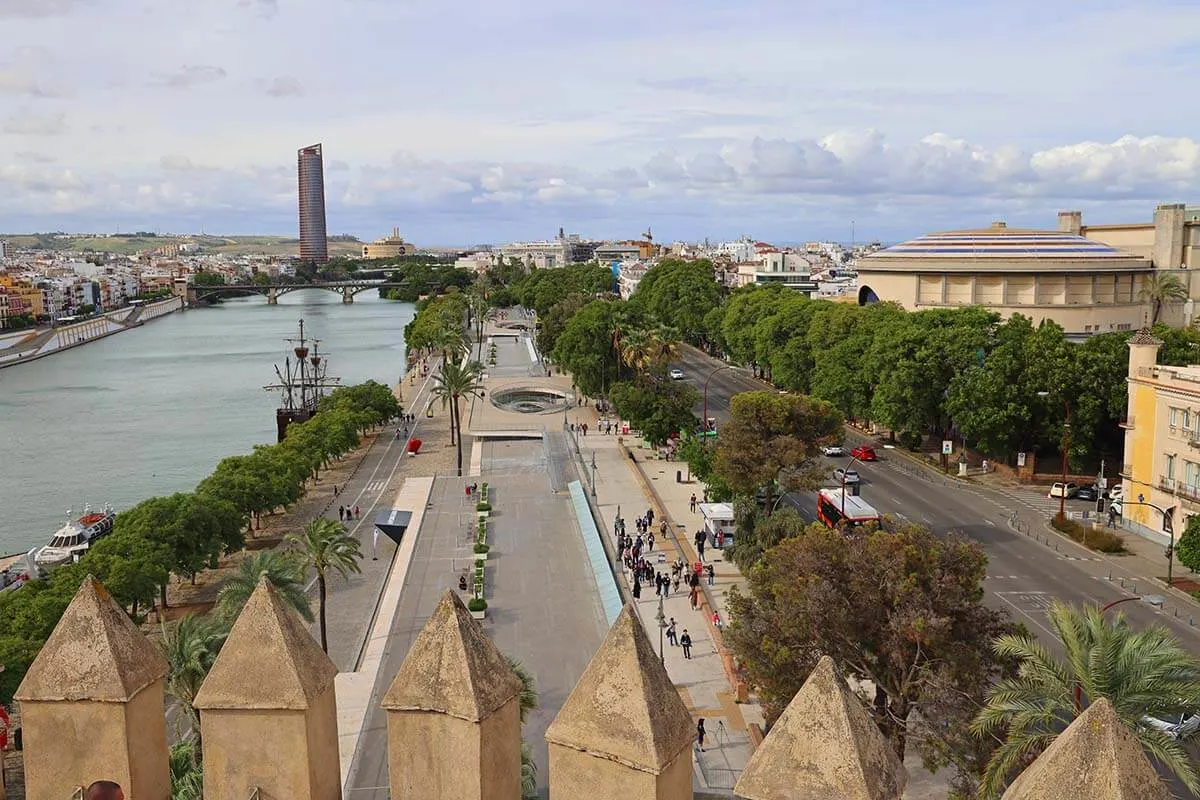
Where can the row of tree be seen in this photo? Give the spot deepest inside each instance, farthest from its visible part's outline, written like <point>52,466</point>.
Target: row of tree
<point>186,532</point>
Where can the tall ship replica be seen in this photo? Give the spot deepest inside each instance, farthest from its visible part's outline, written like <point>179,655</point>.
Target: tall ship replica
<point>302,382</point>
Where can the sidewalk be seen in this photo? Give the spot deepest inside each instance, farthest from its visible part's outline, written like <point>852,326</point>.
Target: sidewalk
<point>621,488</point>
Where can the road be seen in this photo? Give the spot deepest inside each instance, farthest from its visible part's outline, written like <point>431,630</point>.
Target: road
<point>1023,574</point>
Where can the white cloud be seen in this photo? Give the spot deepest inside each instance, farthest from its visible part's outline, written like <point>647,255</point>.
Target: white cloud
<point>192,75</point>
<point>285,86</point>
<point>25,123</point>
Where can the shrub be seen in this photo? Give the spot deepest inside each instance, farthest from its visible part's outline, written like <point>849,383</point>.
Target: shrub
<point>476,604</point>
<point>1100,540</point>
<point>484,507</point>
<point>910,440</point>
<point>481,548</point>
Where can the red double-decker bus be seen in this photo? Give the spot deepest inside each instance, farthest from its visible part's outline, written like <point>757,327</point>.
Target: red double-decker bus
<point>834,510</point>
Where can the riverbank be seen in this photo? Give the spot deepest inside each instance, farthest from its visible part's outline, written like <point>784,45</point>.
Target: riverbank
<point>57,340</point>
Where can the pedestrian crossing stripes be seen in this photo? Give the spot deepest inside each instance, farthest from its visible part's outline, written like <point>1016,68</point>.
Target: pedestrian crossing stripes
<point>375,486</point>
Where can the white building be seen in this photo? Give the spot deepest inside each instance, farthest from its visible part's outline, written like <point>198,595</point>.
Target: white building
<point>629,275</point>
<point>538,255</point>
<point>6,249</point>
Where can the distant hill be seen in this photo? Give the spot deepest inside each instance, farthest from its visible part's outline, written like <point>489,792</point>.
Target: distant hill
<point>131,244</point>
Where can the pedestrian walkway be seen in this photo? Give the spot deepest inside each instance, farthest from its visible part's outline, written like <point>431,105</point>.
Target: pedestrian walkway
<point>620,490</point>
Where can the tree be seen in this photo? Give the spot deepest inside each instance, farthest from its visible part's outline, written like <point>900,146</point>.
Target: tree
<point>1187,549</point>
<point>659,409</point>
<point>585,347</point>
<point>679,293</point>
<point>190,646</point>
<point>324,547</point>
<point>773,438</point>
<point>187,775</point>
<point>282,570</point>
<point>453,382</point>
<point>527,702</point>
<point>1161,288</point>
<point>762,534</point>
<point>902,608</point>
<point>554,322</point>
<point>1142,672</point>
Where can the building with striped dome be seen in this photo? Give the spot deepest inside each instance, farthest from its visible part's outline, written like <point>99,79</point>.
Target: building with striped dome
<point>1084,285</point>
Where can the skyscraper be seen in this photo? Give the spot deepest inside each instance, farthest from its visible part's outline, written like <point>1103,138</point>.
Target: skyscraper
<point>311,169</point>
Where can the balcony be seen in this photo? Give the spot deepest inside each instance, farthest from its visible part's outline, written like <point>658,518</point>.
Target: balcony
<point>1127,423</point>
<point>1166,484</point>
<point>1127,470</point>
<point>1193,438</point>
<point>1189,492</point>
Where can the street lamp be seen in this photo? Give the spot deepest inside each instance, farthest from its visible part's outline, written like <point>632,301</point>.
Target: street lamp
<point>662,626</point>
<point>704,422</point>
<point>845,469</point>
<point>593,473</point>
<point>1066,444</point>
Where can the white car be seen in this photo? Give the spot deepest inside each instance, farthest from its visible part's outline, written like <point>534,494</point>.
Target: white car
<point>1063,490</point>
<point>845,475</point>
<point>676,374</point>
<point>833,450</point>
<point>1116,493</point>
<point>1185,728</point>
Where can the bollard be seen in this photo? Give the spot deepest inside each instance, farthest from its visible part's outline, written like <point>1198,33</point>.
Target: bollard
<point>1134,589</point>
<point>1109,578</point>
<point>1122,583</point>
<point>1191,620</point>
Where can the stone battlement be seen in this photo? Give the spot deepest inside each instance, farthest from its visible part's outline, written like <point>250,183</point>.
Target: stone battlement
<point>92,709</point>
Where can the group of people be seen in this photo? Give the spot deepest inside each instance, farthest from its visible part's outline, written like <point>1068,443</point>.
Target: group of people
<point>347,513</point>
<point>606,426</point>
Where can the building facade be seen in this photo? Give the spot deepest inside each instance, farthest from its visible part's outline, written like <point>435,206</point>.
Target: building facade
<point>310,169</point>
<point>392,246</point>
<point>1162,441</point>
<point>1084,285</point>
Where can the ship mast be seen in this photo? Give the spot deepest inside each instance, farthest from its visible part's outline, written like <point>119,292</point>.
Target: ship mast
<point>302,383</point>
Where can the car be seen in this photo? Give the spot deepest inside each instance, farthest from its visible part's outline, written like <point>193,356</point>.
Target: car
<point>1116,493</point>
<point>1063,490</point>
<point>676,374</point>
<point>1087,493</point>
<point>864,453</point>
<point>1179,729</point>
<point>833,450</point>
<point>846,475</point>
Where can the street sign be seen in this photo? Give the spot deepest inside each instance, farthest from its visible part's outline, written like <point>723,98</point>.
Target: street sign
<point>1020,459</point>
<point>1103,483</point>
<point>947,447</point>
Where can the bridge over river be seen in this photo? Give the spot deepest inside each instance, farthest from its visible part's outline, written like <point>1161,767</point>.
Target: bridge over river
<point>347,289</point>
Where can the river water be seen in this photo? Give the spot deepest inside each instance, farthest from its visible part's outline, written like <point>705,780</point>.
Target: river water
<point>152,410</point>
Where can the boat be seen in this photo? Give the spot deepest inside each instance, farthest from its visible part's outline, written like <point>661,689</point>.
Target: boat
<point>74,538</point>
<point>302,383</point>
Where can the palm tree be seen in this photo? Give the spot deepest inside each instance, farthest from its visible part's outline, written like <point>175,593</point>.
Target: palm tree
<point>324,546</point>
<point>664,344</point>
<point>1143,673</point>
<point>187,776</point>
<point>453,382</point>
<point>637,350</point>
<point>1159,288</point>
<point>281,569</point>
<point>527,702</point>
<point>190,646</point>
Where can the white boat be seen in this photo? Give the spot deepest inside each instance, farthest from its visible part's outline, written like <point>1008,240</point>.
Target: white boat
<point>74,538</point>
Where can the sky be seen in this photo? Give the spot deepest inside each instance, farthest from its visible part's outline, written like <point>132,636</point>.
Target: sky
<point>470,121</point>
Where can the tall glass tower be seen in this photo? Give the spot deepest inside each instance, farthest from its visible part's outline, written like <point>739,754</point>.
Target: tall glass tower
<point>311,169</point>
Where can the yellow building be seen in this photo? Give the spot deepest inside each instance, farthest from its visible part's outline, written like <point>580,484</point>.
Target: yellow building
<point>388,247</point>
<point>1085,286</point>
<point>29,295</point>
<point>1162,440</point>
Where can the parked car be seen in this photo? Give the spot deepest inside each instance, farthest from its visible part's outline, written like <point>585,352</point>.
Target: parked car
<point>1063,490</point>
<point>845,475</point>
<point>1087,493</point>
<point>864,453</point>
<point>1116,493</point>
<point>833,450</point>
<point>676,374</point>
<point>1183,727</point>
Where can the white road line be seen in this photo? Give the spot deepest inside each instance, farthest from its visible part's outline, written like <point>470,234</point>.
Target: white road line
<point>989,522</point>
<point>1025,613</point>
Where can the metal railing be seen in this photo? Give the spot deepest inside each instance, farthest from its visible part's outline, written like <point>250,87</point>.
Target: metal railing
<point>1126,470</point>
<point>1166,484</point>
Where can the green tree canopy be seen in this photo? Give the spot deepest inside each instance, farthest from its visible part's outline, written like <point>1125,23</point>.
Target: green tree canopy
<point>659,409</point>
<point>679,294</point>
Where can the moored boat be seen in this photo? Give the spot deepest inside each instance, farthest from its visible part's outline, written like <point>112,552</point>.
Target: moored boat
<point>74,539</point>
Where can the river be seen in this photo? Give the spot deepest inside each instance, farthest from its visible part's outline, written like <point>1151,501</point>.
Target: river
<point>152,410</point>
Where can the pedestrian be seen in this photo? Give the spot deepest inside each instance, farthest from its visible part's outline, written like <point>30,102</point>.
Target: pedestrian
<point>711,573</point>
<point>716,619</point>
<point>675,584</point>
<point>650,543</point>
<point>637,588</point>
<point>649,516</point>
<point>356,515</point>
<point>335,490</point>
<point>662,528</point>
<point>692,503</point>
<point>467,489</point>
<point>685,641</point>
<point>342,513</point>
<point>474,487</point>
<point>672,635</point>
<point>700,734</point>
<point>694,598</point>
<point>700,546</point>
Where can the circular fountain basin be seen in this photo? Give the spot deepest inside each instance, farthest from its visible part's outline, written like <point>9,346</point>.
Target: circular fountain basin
<point>530,401</point>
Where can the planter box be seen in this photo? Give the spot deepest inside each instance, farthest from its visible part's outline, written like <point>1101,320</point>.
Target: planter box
<point>482,557</point>
<point>479,615</point>
<point>483,514</point>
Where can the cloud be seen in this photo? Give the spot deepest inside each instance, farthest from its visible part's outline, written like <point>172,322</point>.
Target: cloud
<point>192,75</point>
<point>264,8</point>
<point>26,124</point>
<point>285,86</point>
<point>34,157</point>
<point>37,8</point>
<point>22,82</point>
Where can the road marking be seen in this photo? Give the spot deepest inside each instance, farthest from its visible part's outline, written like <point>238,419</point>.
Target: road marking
<point>1039,599</point>
<point>896,500</point>
<point>989,522</point>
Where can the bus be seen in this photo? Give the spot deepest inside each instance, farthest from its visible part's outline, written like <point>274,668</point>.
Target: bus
<point>831,503</point>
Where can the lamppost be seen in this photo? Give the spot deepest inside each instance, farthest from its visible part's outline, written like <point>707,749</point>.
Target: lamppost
<point>1066,444</point>
<point>704,422</point>
<point>593,473</point>
<point>662,626</point>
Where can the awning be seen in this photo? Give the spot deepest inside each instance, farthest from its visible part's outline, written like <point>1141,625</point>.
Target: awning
<point>393,523</point>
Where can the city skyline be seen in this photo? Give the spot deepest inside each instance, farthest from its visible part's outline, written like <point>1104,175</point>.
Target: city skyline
<point>783,123</point>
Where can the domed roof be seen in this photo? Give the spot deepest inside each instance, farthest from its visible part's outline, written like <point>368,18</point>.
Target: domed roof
<point>1002,242</point>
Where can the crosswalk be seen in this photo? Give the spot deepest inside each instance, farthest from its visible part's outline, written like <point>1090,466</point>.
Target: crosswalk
<point>374,487</point>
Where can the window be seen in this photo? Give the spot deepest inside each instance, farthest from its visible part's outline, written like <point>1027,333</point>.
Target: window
<point>1170,467</point>
<point>1191,474</point>
<point>1174,417</point>
<point>1186,419</point>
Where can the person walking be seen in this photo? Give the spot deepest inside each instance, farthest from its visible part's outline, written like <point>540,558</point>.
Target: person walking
<point>650,542</point>
<point>692,503</point>
<point>686,642</point>
<point>694,598</point>
<point>700,537</point>
<point>356,512</point>
<point>700,734</point>
<point>342,513</point>
<point>711,573</point>
<point>637,588</point>
<point>672,634</point>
